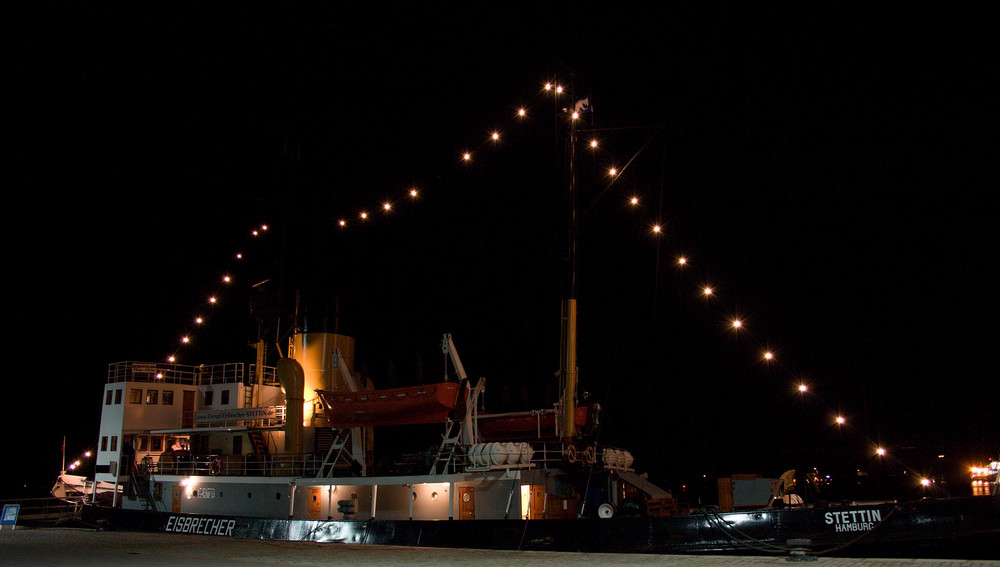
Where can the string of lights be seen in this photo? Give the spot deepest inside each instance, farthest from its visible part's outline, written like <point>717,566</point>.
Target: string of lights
<point>611,175</point>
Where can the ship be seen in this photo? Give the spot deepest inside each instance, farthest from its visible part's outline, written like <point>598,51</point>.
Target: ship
<point>284,448</point>
<point>235,450</point>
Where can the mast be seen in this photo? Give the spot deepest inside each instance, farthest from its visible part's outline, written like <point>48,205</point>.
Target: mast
<point>567,359</point>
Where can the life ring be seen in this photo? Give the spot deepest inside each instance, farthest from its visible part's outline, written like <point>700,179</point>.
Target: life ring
<point>215,467</point>
<point>569,453</point>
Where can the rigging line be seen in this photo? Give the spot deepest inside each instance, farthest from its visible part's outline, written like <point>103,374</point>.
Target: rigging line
<point>659,219</point>
<point>620,173</point>
<point>611,378</point>
<point>857,430</point>
<point>656,279</point>
<point>714,520</point>
<point>616,128</point>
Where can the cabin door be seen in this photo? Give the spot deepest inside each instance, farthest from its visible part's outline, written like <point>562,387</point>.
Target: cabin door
<point>536,503</point>
<point>187,410</point>
<point>315,503</point>
<point>466,503</point>
<point>175,501</point>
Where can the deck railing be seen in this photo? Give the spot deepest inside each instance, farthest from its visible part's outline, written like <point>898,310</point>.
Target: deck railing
<point>169,373</point>
<point>279,464</point>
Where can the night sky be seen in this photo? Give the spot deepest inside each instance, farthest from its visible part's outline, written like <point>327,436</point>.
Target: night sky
<point>828,173</point>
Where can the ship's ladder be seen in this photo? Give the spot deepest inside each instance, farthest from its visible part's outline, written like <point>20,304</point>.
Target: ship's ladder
<point>445,457</point>
<point>459,431</point>
<point>141,480</point>
<point>338,452</point>
<point>258,442</point>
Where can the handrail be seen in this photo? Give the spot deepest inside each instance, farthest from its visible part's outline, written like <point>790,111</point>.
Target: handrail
<point>171,373</point>
<point>280,464</point>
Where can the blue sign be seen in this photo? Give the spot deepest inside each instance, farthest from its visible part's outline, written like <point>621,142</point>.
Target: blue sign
<point>9,517</point>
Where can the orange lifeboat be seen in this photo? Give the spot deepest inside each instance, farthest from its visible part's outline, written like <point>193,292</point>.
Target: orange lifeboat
<point>395,406</point>
<point>536,424</point>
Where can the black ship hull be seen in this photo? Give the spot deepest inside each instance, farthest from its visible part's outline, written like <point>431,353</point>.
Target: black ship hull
<point>954,528</point>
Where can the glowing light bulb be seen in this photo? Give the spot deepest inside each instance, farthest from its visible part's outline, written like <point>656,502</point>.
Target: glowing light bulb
<point>613,171</point>
<point>548,86</point>
<point>737,324</point>
<point>466,156</point>
<point>364,215</point>
<point>522,112</point>
<point>212,299</point>
<point>386,206</point>
<point>559,89</point>
<point>239,256</point>
<point>342,222</point>
<point>803,388</point>
<point>633,201</point>
<point>199,320</point>
<point>87,454</point>
<point>593,143</point>
<point>880,452</point>
<point>263,227</point>
<point>171,358</point>
<point>768,355</point>
<point>925,482</point>
<point>575,115</point>
<point>413,193</point>
<point>682,261</point>
<point>840,420</point>
<point>185,340</point>
<point>707,291</point>
<point>495,136</point>
<point>657,229</point>
<point>227,279</point>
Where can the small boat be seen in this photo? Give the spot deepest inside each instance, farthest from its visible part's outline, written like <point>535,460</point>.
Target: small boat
<point>535,424</point>
<point>396,406</point>
<point>76,489</point>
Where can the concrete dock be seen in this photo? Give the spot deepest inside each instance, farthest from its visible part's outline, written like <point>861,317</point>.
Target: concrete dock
<point>53,547</point>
